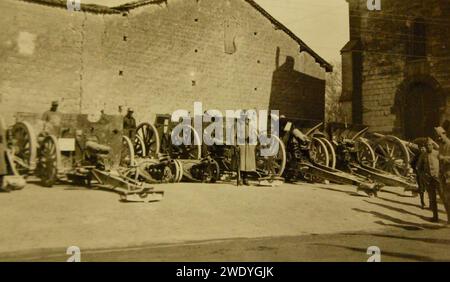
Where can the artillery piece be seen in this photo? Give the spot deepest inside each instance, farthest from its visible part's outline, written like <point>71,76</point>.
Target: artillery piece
<point>153,143</point>
<point>199,162</point>
<point>269,167</point>
<point>361,156</point>
<point>80,150</point>
<point>393,154</point>
<point>311,157</point>
<point>10,177</point>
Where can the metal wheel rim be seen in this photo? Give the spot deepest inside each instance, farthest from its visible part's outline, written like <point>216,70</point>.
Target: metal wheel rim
<point>323,149</point>
<point>194,156</point>
<point>151,141</point>
<point>385,156</point>
<point>331,152</point>
<point>372,158</point>
<point>127,148</point>
<point>179,174</point>
<point>49,160</point>
<point>25,150</point>
<point>140,149</point>
<point>281,154</point>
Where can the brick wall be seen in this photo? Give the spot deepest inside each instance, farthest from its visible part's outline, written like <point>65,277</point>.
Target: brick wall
<point>385,36</point>
<point>155,58</point>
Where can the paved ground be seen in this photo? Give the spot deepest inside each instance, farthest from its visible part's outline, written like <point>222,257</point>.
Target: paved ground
<point>406,244</point>
<point>290,222</point>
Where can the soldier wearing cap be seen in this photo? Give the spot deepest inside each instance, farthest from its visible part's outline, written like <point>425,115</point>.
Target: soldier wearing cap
<point>444,163</point>
<point>52,116</point>
<point>428,168</point>
<point>129,124</point>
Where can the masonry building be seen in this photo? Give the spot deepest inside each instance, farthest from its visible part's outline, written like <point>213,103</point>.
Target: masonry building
<point>155,56</point>
<point>396,66</point>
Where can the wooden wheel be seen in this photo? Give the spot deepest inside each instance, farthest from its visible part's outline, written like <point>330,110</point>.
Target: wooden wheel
<point>179,170</point>
<point>147,132</point>
<point>365,153</point>
<point>275,164</point>
<point>24,147</point>
<point>318,152</point>
<point>212,173</point>
<point>157,172</point>
<point>127,157</point>
<point>170,173</point>
<point>331,152</point>
<point>392,156</point>
<point>191,152</point>
<point>205,172</point>
<point>49,157</point>
<point>139,146</point>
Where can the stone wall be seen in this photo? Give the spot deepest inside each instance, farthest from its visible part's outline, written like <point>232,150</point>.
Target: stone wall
<point>155,59</point>
<point>384,36</point>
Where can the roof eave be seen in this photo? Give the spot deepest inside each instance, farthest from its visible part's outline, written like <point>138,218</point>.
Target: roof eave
<point>303,46</point>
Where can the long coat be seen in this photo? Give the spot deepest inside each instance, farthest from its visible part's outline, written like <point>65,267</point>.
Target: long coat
<point>3,167</point>
<point>247,157</point>
<point>247,153</point>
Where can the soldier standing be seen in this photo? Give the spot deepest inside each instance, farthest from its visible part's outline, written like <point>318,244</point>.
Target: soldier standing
<point>129,124</point>
<point>247,152</point>
<point>444,161</point>
<point>428,169</point>
<point>52,116</point>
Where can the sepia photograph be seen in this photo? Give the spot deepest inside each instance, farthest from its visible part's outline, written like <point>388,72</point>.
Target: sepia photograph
<point>219,131</point>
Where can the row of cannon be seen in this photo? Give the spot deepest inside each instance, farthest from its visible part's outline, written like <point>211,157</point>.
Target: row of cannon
<point>85,151</point>
<point>308,151</point>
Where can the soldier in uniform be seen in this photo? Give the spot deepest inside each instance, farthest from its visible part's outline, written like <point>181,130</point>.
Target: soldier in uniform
<point>247,152</point>
<point>444,161</point>
<point>428,168</point>
<point>129,124</point>
<point>3,166</point>
<point>52,116</point>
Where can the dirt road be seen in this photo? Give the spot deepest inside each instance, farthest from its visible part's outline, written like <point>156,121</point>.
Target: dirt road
<point>45,221</point>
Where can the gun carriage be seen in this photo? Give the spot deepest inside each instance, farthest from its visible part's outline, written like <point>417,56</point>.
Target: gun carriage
<point>270,154</point>
<point>10,177</point>
<point>199,162</point>
<point>312,157</point>
<point>380,159</point>
<point>186,160</point>
<point>79,149</point>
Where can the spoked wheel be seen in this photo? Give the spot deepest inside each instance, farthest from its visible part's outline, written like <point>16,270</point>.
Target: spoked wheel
<point>212,173</point>
<point>139,146</point>
<point>179,170</point>
<point>147,132</point>
<point>169,174</point>
<point>49,158</point>
<point>272,163</point>
<point>127,157</point>
<point>153,172</point>
<point>24,147</point>
<point>319,153</point>
<point>392,156</point>
<point>331,152</point>
<point>365,153</point>
<point>192,151</point>
<point>206,172</point>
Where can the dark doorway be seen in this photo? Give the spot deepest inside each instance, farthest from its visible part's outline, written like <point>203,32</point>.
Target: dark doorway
<point>421,111</point>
